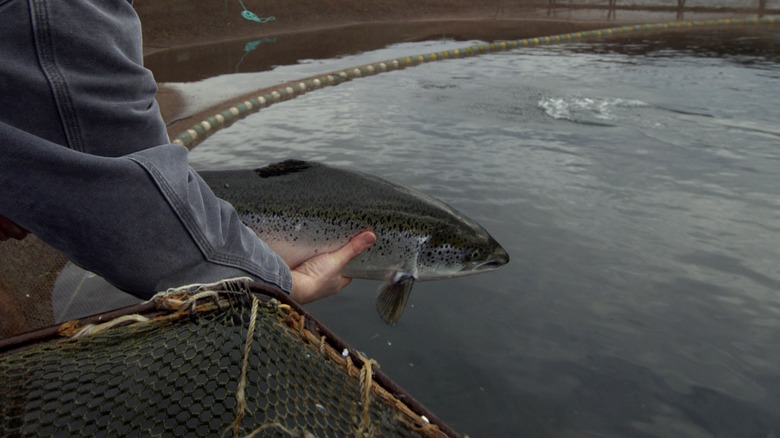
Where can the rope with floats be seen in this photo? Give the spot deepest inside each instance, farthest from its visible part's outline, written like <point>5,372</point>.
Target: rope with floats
<point>197,133</point>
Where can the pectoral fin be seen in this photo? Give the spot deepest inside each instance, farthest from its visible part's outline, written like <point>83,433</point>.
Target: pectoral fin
<point>393,296</point>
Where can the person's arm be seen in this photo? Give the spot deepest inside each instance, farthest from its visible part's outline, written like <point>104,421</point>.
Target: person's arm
<point>144,222</point>
<point>85,163</point>
<point>147,221</point>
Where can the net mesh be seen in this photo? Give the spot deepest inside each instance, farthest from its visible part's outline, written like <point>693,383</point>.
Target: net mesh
<point>225,364</point>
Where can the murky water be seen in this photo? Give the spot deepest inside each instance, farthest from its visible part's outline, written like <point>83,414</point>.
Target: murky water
<point>636,185</point>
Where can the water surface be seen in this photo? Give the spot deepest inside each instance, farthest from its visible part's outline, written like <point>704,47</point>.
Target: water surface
<point>635,184</point>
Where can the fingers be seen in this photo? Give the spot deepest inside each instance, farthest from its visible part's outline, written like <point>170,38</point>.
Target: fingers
<point>357,245</point>
<point>320,276</point>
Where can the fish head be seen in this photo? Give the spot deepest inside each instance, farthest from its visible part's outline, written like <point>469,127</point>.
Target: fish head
<point>459,248</point>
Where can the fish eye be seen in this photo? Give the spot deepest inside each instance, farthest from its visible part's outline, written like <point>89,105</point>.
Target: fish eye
<point>474,254</point>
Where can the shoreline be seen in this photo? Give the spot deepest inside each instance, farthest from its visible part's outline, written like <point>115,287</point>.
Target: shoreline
<point>173,27</point>
<point>348,38</point>
<point>178,117</point>
<point>182,23</point>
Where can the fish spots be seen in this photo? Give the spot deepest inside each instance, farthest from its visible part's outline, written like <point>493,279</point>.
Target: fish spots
<point>300,206</point>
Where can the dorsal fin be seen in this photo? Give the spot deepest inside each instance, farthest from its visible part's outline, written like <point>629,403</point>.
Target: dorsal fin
<point>283,168</point>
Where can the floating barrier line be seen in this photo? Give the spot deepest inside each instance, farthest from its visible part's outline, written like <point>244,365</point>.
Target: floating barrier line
<point>199,132</point>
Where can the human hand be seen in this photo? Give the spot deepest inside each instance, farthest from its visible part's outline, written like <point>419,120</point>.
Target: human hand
<point>320,276</point>
<point>9,229</point>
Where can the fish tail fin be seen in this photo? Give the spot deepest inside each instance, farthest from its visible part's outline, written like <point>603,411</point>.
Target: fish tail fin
<point>393,296</point>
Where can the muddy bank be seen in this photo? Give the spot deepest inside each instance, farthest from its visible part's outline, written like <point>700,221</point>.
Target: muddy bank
<point>185,22</point>
<point>313,30</point>
<point>195,63</point>
<point>187,41</point>
<point>175,23</point>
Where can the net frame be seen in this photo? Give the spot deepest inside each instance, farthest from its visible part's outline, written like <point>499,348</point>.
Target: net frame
<point>194,301</point>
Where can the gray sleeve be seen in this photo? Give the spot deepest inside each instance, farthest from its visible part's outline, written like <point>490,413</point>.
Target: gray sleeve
<point>144,222</point>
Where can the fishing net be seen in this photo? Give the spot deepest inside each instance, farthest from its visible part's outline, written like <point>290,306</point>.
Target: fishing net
<point>217,361</point>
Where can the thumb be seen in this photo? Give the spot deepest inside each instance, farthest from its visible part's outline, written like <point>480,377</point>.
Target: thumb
<point>357,245</point>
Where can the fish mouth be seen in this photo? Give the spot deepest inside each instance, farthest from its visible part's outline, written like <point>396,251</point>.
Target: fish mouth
<point>494,264</point>
<point>499,259</point>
